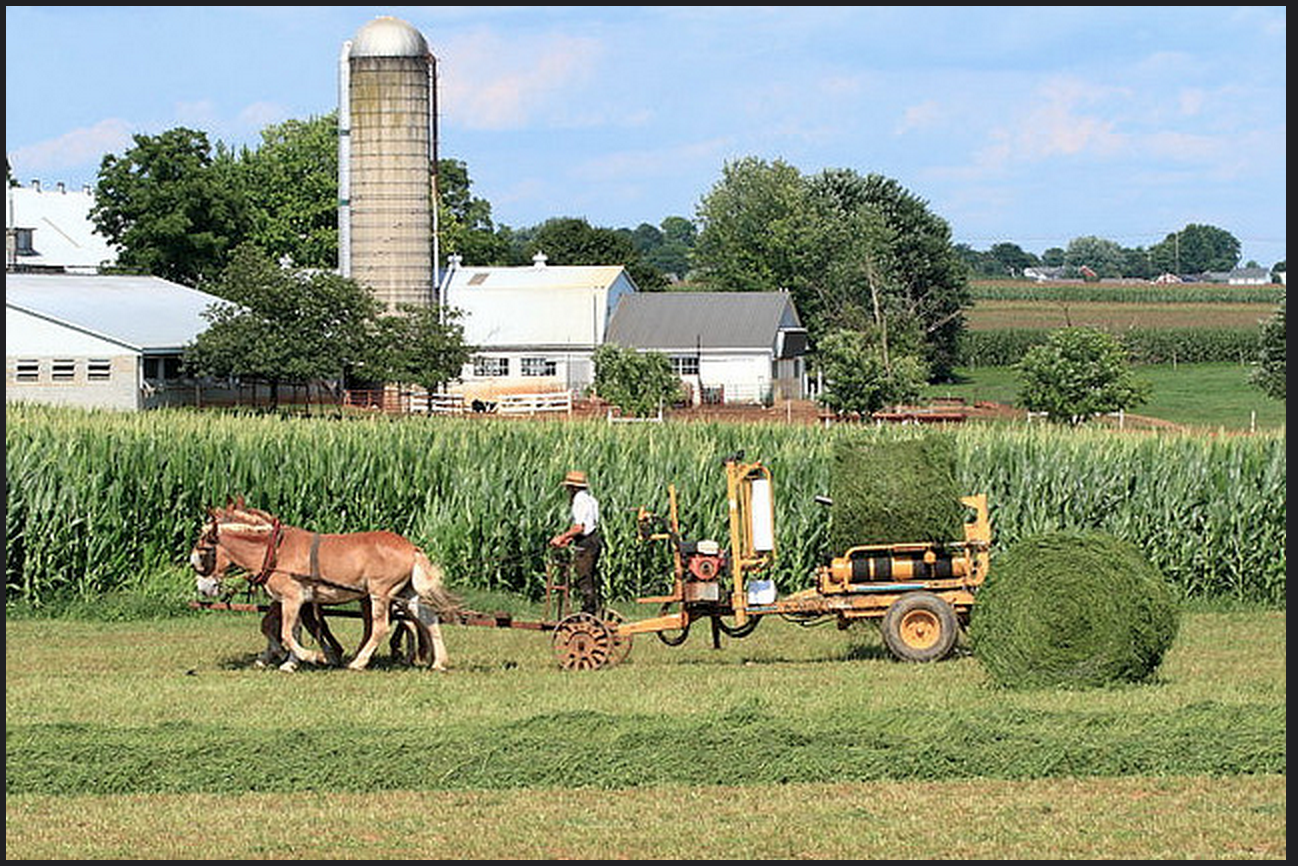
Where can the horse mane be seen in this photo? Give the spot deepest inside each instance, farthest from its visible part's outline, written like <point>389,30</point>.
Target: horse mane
<point>238,517</point>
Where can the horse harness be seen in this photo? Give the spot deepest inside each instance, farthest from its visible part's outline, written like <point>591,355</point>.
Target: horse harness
<point>270,560</point>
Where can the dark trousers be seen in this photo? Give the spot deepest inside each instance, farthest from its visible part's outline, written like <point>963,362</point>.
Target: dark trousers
<point>585,561</point>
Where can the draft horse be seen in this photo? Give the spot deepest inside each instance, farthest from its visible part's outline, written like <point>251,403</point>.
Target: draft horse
<point>298,567</point>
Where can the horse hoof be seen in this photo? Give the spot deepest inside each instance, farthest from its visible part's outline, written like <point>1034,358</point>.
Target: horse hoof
<point>288,667</point>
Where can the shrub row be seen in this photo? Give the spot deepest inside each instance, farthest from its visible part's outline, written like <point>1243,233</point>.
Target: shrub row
<point>1004,347</point>
<point>99,502</point>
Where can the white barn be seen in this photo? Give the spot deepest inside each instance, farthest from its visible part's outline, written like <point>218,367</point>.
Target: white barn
<point>534,329</point>
<point>99,341</point>
<point>727,347</point>
<point>50,230</point>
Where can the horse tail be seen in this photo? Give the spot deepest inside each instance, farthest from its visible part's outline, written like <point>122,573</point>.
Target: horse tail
<point>427,579</point>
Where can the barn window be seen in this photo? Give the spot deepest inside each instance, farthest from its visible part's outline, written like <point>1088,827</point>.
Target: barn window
<point>27,370</point>
<point>99,369</point>
<point>63,370</point>
<point>538,367</point>
<point>485,367</point>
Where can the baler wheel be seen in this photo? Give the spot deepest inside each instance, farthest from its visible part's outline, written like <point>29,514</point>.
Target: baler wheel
<point>920,627</point>
<point>582,642</point>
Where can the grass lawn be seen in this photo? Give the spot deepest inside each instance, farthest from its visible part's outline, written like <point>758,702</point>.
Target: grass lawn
<point>1195,395</point>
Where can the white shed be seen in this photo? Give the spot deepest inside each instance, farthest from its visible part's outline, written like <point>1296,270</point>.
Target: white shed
<point>534,329</point>
<point>727,347</point>
<point>99,341</point>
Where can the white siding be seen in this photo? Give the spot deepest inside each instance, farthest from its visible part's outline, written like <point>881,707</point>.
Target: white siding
<point>52,364</point>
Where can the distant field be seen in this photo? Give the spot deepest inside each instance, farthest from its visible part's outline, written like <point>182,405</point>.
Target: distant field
<point>1194,395</point>
<point>989,315</point>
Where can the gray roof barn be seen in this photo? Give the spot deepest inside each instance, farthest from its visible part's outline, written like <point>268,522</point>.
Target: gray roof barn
<point>667,321</point>
<point>140,313</point>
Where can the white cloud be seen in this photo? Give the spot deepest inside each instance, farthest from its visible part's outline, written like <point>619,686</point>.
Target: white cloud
<point>923,116</point>
<point>76,150</point>
<point>489,82</point>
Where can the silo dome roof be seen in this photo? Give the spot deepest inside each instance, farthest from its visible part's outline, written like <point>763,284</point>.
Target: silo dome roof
<point>389,37</point>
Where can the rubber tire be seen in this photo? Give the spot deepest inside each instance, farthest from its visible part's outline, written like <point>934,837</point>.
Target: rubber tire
<point>920,627</point>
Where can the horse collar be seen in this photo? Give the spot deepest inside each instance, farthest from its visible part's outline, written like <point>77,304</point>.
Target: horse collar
<point>272,553</point>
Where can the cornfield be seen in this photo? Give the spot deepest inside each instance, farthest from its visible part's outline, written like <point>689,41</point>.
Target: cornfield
<point>99,502</point>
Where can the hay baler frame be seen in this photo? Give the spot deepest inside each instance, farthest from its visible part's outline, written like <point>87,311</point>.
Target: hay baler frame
<point>920,592</point>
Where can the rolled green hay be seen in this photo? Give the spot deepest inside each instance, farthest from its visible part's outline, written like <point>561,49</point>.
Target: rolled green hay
<point>895,490</point>
<point>1072,609</point>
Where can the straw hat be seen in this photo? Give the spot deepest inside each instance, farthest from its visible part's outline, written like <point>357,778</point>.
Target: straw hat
<point>575,478</point>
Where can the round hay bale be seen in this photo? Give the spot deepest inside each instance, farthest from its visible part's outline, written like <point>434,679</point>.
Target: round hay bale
<point>1072,609</point>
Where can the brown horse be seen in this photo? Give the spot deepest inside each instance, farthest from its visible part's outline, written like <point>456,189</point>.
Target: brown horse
<point>299,567</point>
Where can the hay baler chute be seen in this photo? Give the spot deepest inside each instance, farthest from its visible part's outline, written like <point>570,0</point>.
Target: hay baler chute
<point>920,592</point>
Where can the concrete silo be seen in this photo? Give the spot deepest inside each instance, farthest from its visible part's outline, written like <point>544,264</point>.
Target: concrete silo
<point>387,152</point>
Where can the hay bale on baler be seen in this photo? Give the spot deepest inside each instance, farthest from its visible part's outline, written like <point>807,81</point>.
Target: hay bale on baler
<point>1072,609</point>
<point>895,491</point>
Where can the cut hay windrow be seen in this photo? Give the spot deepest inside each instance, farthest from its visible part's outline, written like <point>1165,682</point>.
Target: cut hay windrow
<point>99,502</point>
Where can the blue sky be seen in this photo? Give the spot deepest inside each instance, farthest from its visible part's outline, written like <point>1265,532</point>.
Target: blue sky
<point>1026,125</point>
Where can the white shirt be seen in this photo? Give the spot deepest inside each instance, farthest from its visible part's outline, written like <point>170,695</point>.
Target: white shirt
<point>585,511</point>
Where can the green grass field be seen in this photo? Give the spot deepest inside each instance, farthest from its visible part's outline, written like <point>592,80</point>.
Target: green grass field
<point>1204,396</point>
<point>157,740</point>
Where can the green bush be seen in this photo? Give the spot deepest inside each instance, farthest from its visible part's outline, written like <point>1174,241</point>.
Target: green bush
<point>1075,610</point>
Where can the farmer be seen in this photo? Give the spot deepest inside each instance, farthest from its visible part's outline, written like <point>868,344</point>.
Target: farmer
<point>584,531</point>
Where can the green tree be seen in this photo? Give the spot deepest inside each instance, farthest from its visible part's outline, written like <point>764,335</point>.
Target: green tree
<point>1104,257</point>
<point>419,345</point>
<point>637,383</point>
<point>573,241</point>
<point>1270,374</point>
<point>1078,373</point>
<point>464,221</point>
<point>1196,249</point>
<point>173,208</point>
<point>751,228</point>
<point>1011,259</point>
<point>282,325</point>
<point>862,377</point>
<point>291,186</point>
<point>929,284</point>
<point>853,250</point>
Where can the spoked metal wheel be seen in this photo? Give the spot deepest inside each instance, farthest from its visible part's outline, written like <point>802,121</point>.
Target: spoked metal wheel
<point>621,642</point>
<point>582,642</point>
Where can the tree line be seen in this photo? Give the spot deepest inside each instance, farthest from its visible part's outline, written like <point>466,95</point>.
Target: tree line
<point>874,273</point>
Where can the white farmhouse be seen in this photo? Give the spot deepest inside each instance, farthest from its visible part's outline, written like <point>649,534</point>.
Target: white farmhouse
<point>727,347</point>
<point>534,329</point>
<point>99,341</point>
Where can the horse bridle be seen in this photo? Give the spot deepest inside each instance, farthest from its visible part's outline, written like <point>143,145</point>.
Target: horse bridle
<point>211,540</point>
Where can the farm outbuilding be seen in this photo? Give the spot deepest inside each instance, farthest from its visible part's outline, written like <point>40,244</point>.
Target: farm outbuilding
<point>535,329</point>
<point>50,231</point>
<point>727,347</point>
<point>99,341</point>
